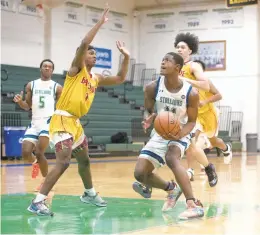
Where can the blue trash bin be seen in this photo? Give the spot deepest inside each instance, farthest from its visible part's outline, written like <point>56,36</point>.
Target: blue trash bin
<point>13,137</point>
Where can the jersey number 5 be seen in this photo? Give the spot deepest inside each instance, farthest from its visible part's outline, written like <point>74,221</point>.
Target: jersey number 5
<point>41,102</point>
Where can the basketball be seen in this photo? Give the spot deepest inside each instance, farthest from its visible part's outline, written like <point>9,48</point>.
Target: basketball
<point>166,123</point>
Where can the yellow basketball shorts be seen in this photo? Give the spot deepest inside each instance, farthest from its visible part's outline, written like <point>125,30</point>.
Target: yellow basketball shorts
<point>208,123</point>
<point>63,128</point>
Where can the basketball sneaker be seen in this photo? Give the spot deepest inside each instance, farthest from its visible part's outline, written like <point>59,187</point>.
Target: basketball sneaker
<point>227,154</point>
<point>190,173</point>
<point>95,200</point>
<point>143,190</point>
<point>35,169</point>
<point>40,208</point>
<point>172,197</point>
<point>212,175</point>
<point>194,210</point>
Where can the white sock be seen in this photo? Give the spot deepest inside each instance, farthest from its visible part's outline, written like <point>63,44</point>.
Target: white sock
<point>40,197</point>
<point>91,191</point>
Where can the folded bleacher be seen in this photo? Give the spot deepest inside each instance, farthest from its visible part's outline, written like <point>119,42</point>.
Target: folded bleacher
<point>115,109</point>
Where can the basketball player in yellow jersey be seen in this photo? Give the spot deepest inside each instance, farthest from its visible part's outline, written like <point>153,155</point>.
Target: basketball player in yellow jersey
<point>186,45</point>
<point>212,96</point>
<point>66,132</point>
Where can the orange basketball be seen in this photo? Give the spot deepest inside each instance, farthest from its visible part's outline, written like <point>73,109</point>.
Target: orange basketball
<point>166,123</point>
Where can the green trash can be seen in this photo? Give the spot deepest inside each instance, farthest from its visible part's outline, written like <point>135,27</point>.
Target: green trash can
<point>251,142</point>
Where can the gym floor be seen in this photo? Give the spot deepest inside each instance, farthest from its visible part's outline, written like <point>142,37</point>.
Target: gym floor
<point>232,207</point>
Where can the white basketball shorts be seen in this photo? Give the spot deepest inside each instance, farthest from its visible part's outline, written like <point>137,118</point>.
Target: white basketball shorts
<point>157,147</point>
<point>37,128</point>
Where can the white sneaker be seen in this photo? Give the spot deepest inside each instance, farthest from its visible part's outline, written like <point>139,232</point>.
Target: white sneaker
<point>172,198</point>
<point>190,173</point>
<point>95,200</point>
<point>195,211</point>
<point>228,154</point>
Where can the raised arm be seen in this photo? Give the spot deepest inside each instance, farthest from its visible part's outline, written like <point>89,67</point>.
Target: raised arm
<point>78,62</point>
<point>201,81</point>
<point>27,104</point>
<point>121,75</point>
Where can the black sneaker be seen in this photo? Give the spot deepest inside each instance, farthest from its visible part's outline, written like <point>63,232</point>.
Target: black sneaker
<point>212,175</point>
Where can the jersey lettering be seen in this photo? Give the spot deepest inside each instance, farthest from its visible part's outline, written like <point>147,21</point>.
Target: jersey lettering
<point>173,102</point>
<point>43,98</point>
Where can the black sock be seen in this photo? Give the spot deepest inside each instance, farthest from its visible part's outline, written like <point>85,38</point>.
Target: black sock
<point>192,198</point>
<point>225,149</point>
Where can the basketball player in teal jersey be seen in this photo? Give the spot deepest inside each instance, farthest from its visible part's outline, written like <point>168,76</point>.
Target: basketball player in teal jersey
<point>161,150</point>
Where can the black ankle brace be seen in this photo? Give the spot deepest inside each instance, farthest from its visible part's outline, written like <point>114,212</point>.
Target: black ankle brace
<point>170,186</point>
<point>192,198</point>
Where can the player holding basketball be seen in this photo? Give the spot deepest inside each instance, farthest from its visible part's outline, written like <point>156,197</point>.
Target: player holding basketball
<point>192,72</point>
<point>41,95</point>
<point>169,93</point>
<point>66,131</point>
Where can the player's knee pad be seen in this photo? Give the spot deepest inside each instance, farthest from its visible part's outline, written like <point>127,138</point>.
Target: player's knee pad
<point>64,144</point>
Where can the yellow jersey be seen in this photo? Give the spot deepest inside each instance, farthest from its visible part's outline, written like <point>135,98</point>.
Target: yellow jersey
<point>78,93</point>
<point>203,95</point>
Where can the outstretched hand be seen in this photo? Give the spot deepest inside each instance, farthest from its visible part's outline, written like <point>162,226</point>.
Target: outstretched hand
<point>104,17</point>
<point>121,47</point>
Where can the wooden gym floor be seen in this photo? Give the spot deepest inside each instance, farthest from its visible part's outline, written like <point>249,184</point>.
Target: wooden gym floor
<point>232,207</point>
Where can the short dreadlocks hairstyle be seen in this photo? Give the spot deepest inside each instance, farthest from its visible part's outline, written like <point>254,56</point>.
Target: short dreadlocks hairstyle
<point>190,39</point>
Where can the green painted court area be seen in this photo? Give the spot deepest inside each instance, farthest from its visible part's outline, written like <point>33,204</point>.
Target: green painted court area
<point>73,217</point>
